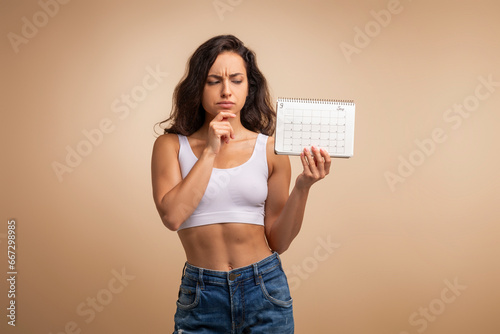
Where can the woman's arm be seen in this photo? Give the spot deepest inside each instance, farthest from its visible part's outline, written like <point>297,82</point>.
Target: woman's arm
<point>284,213</point>
<point>177,198</point>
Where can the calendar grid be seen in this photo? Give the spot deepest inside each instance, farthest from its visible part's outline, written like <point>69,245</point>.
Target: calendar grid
<point>325,125</point>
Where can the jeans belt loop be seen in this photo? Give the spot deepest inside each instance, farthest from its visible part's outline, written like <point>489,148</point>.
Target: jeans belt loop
<point>200,278</point>
<point>184,270</point>
<point>256,273</point>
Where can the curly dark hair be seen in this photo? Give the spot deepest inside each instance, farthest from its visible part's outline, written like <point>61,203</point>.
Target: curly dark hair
<point>188,114</point>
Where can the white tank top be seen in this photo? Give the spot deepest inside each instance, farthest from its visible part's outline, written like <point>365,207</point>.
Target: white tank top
<point>233,195</point>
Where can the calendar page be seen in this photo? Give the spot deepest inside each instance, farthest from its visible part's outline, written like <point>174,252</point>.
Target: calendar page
<point>302,123</point>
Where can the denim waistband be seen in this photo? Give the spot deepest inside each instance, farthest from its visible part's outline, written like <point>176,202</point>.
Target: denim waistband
<point>253,271</point>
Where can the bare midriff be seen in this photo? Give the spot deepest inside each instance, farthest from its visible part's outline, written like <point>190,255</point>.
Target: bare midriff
<point>225,246</point>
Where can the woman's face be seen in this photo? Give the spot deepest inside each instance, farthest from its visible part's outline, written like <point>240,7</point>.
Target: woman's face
<point>226,87</point>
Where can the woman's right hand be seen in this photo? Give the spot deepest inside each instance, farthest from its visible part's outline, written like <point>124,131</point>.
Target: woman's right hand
<point>220,131</point>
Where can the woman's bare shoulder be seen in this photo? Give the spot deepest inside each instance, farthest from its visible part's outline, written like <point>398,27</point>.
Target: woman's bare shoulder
<point>167,141</point>
<point>166,148</point>
<point>275,160</point>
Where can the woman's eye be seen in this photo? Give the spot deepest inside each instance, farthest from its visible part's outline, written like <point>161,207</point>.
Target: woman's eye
<point>211,83</point>
<point>237,82</point>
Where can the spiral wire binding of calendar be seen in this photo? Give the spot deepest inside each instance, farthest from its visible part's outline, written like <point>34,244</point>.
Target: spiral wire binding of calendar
<point>316,101</point>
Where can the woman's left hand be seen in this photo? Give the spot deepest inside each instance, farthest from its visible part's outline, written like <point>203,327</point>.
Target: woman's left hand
<point>316,166</point>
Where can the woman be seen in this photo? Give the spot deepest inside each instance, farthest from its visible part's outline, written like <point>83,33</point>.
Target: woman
<point>218,183</point>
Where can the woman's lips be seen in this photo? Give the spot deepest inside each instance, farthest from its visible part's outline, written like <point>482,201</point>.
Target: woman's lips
<point>225,104</point>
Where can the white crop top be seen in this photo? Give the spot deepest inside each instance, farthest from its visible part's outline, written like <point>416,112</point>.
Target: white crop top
<point>233,195</point>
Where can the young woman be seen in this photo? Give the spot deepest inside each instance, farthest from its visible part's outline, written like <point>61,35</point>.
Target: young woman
<point>218,183</point>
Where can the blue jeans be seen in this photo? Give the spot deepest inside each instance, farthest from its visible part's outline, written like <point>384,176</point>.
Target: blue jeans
<point>252,299</point>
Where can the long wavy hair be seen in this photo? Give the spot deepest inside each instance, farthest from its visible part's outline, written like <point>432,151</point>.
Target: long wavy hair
<point>188,114</point>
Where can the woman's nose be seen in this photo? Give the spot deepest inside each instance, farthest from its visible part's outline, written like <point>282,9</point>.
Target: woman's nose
<point>226,91</point>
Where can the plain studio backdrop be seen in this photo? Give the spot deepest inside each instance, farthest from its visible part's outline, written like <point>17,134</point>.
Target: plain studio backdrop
<point>400,239</point>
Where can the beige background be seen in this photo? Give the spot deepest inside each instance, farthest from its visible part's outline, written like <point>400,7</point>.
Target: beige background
<point>393,250</point>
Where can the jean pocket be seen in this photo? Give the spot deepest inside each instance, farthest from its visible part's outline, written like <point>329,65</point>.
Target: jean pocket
<point>189,296</point>
<point>275,288</point>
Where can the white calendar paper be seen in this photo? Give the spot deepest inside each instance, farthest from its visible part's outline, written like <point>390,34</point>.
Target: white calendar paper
<point>302,123</point>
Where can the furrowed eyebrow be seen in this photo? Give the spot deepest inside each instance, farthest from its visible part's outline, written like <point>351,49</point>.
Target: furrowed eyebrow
<point>219,77</point>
